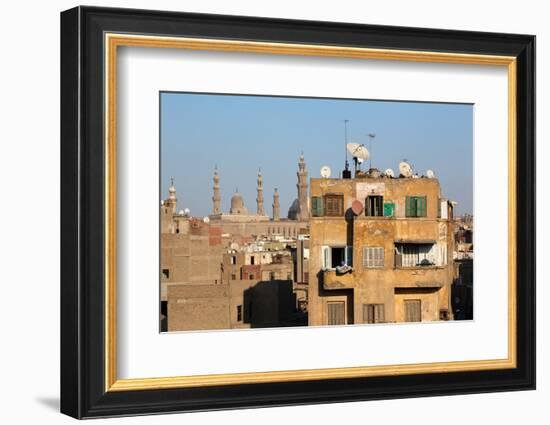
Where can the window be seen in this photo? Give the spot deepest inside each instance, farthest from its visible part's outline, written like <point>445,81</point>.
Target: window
<point>252,260</point>
<point>336,313</point>
<point>373,256</point>
<point>233,260</point>
<point>333,256</point>
<point>415,206</point>
<point>334,205</point>
<point>239,313</point>
<point>374,206</point>
<point>316,206</point>
<point>373,313</point>
<point>414,255</point>
<point>166,273</point>
<point>251,276</point>
<point>413,311</point>
<point>271,275</point>
<point>233,276</point>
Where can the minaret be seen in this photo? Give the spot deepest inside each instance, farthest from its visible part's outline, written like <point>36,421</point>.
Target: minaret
<point>260,197</point>
<point>276,206</point>
<point>216,198</point>
<point>172,201</point>
<point>303,209</point>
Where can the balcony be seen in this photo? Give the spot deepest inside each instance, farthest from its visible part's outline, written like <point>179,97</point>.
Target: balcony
<point>333,280</point>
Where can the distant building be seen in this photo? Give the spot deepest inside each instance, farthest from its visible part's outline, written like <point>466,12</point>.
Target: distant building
<point>235,269</point>
<point>463,285</point>
<point>380,250</point>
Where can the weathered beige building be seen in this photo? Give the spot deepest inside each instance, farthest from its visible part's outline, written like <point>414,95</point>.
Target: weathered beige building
<point>398,241</point>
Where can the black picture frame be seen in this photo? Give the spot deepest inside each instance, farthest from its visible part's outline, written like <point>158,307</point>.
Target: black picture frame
<point>83,392</point>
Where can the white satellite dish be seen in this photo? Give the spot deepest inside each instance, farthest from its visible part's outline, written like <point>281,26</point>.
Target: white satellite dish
<point>181,212</point>
<point>325,171</point>
<point>430,174</point>
<point>186,211</point>
<point>405,169</point>
<point>161,202</point>
<point>358,151</point>
<point>206,220</point>
<point>389,173</point>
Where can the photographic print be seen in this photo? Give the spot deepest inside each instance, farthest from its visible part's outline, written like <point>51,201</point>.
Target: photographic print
<point>288,211</point>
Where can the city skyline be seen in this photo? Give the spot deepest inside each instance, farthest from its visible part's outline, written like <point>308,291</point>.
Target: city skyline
<point>241,134</point>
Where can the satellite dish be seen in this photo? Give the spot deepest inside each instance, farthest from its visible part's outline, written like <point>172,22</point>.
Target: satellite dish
<point>405,169</point>
<point>181,212</point>
<point>358,151</point>
<point>325,171</point>
<point>161,202</point>
<point>234,246</point>
<point>186,211</point>
<point>357,207</point>
<point>430,174</point>
<point>389,173</point>
<point>206,220</point>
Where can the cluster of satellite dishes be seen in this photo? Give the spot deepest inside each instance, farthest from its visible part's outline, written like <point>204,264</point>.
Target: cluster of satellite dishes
<point>360,154</point>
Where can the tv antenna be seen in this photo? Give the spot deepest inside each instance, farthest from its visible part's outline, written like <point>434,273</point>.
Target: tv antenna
<point>346,142</point>
<point>371,137</point>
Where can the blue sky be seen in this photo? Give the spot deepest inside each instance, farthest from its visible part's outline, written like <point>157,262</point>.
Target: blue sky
<point>240,134</point>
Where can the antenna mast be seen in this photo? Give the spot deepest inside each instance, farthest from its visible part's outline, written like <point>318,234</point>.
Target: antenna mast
<point>346,141</point>
<point>371,137</point>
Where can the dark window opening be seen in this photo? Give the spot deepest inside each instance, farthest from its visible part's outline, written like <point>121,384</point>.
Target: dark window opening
<point>374,206</point>
<point>166,273</point>
<point>239,313</point>
<point>252,260</point>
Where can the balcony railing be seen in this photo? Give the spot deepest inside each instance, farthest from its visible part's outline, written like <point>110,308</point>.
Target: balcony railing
<point>334,280</point>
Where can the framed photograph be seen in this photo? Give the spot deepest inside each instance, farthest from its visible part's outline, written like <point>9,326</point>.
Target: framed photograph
<point>261,212</point>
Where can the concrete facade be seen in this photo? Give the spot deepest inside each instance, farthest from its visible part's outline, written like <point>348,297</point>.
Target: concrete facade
<point>401,269</point>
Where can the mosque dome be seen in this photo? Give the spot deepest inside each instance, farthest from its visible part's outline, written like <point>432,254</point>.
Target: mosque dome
<point>237,204</point>
<point>293,210</point>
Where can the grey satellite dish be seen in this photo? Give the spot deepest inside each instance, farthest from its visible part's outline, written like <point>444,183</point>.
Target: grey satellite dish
<point>389,173</point>
<point>358,151</point>
<point>325,171</point>
<point>430,174</point>
<point>405,169</point>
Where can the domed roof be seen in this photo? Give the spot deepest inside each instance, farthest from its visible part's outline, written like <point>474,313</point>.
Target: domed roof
<point>237,204</point>
<point>293,210</point>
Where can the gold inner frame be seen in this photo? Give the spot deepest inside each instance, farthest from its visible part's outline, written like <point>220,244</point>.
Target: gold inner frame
<point>113,41</point>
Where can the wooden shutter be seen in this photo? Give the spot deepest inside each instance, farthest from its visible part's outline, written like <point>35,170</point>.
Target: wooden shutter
<point>336,313</point>
<point>421,206</point>
<point>410,206</point>
<point>413,312</point>
<point>373,313</point>
<point>317,206</point>
<point>334,205</point>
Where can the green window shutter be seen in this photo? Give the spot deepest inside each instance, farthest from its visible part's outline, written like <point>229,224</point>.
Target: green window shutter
<point>410,206</point>
<point>421,206</point>
<point>317,206</point>
<point>389,209</point>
